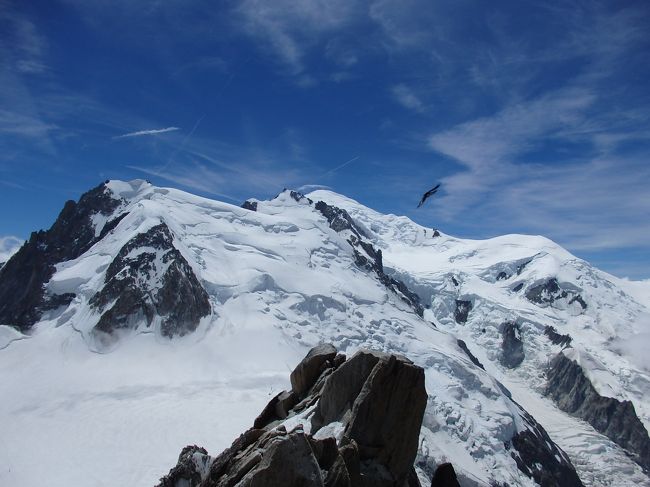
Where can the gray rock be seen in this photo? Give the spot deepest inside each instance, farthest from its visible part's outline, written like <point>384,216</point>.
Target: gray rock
<point>310,368</point>
<point>23,298</point>
<point>386,419</point>
<point>557,338</point>
<point>573,392</point>
<point>286,460</point>
<point>129,297</point>
<point>550,291</point>
<point>471,356</point>
<point>512,347</point>
<point>379,399</point>
<point>462,310</point>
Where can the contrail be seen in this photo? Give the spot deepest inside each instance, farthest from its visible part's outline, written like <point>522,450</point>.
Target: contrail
<point>341,166</point>
<point>146,132</point>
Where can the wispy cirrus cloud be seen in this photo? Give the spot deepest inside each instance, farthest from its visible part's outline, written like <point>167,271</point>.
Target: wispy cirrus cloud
<point>140,133</point>
<point>587,201</point>
<point>290,28</point>
<point>406,97</point>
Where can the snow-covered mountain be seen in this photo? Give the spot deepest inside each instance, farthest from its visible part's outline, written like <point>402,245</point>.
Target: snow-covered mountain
<point>147,318</point>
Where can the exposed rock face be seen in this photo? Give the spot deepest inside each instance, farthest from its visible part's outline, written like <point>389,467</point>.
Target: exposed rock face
<point>471,356</point>
<point>462,310</point>
<point>574,393</point>
<point>366,256</point>
<point>550,292</point>
<point>512,348</point>
<point>557,338</point>
<point>359,426</point>
<point>250,205</point>
<point>22,279</point>
<point>149,278</point>
<point>539,458</point>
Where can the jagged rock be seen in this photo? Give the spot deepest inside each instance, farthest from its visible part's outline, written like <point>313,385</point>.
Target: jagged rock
<point>462,310</point>
<point>376,399</point>
<point>365,254</point>
<point>386,419</point>
<point>550,292</point>
<point>310,368</point>
<point>557,338</point>
<point>445,476</point>
<point>574,393</point>
<point>22,279</point>
<point>192,462</point>
<point>149,278</point>
<point>518,287</point>
<point>502,276</point>
<point>512,347</point>
<point>250,205</point>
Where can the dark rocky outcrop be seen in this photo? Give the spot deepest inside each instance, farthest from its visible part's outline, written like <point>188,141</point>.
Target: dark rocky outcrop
<point>550,291</point>
<point>462,310</point>
<point>557,338</point>
<point>471,356</point>
<point>150,278</point>
<point>298,197</point>
<point>365,254</point>
<point>518,287</point>
<point>574,393</point>
<point>445,476</point>
<point>502,276</point>
<point>512,347</point>
<point>539,458</point>
<point>378,401</point>
<point>23,298</point>
<point>250,205</point>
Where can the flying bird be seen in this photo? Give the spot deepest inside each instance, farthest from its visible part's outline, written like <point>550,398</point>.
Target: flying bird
<point>429,193</point>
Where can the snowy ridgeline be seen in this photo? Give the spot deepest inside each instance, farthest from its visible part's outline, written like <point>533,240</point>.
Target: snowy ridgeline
<point>257,290</point>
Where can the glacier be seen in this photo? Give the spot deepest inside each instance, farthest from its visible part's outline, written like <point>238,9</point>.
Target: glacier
<point>280,277</point>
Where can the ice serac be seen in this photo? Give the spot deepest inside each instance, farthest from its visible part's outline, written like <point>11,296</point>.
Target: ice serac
<point>355,424</point>
<point>23,298</point>
<point>149,279</point>
<point>574,393</point>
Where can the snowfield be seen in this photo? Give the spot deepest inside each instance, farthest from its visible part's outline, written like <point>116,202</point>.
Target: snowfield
<point>280,280</point>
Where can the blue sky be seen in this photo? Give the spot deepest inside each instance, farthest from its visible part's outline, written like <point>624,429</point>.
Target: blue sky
<point>534,115</point>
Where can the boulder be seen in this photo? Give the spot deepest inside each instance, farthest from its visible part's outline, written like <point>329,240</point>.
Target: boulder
<point>310,368</point>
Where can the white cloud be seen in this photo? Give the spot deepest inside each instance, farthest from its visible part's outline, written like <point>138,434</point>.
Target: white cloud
<point>147,132</point>
<point>290,27</point>
<point>407,98</point>
<point>591,203</point>
<point>8,247</point>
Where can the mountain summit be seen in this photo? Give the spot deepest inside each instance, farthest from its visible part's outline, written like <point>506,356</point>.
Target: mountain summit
<point>197,308</point>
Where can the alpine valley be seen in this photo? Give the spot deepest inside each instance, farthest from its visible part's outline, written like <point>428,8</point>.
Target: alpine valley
<point>146,319</point>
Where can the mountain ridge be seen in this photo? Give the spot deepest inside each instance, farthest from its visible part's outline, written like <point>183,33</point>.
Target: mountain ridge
<point>306,280</point>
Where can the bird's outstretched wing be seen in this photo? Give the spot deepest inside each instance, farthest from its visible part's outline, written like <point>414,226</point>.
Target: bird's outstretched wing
<point>429,193</point>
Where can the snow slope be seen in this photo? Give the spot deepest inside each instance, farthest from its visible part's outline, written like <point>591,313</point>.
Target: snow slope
<point>279,281</point>
<point>609,338</point>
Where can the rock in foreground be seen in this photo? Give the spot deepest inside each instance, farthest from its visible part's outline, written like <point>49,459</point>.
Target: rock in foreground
<point>345,423</point>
